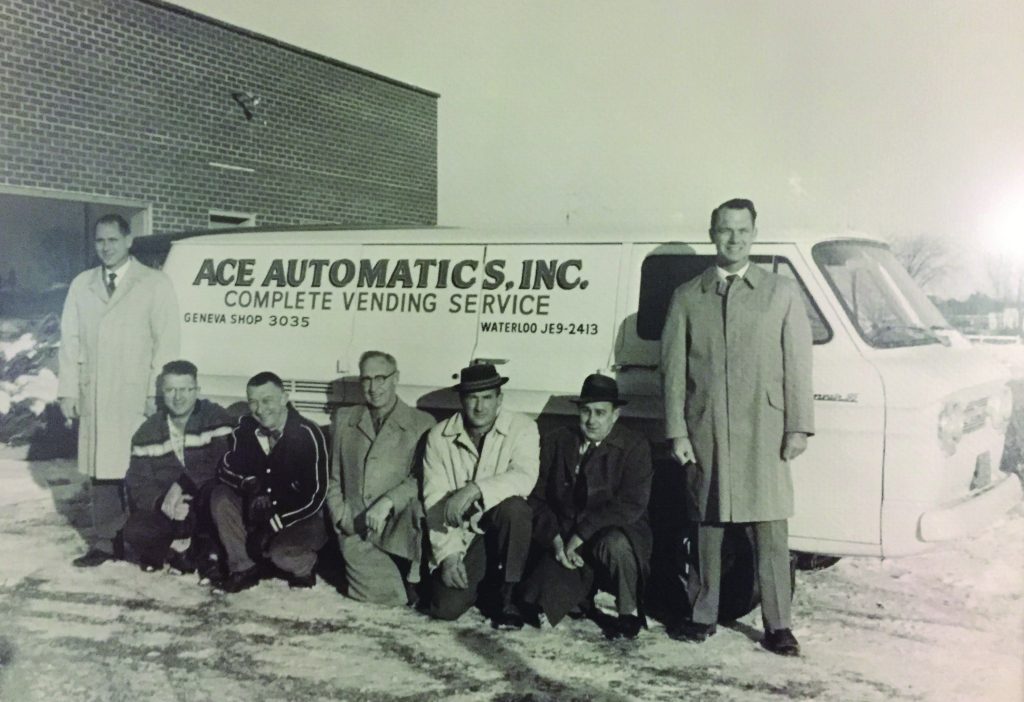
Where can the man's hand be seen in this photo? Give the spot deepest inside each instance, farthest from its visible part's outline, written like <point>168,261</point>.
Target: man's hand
<point>261,509</point>
<point>377,516</point>
<point>459,502</point>
<point>793,444</point>
<point>150,408</point>
<point>558,546</point>
<point>175,504</point>
<point>250,485</point>
<point>69,408</point>
<point>682,450</point>
<point>572,551</point>
<point>453,572</point>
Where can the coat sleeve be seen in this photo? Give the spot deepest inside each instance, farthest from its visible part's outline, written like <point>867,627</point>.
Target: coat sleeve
<point>673,367</point>
<point>444,540</point>
<point>311,471</point>
<point>165,328</point>
<point>216,432</point>
<point>545,523</point>
<point>335,493</point>
<point>521,475</point>
<point>67,356</point>
<point>629,504</point>
<point>139,485</point>
<point>232,469</point>
<point>406,491</point>
<point>797,376</point>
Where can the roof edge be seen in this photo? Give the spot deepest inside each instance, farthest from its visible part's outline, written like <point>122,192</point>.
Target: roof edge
<point>177,9</point>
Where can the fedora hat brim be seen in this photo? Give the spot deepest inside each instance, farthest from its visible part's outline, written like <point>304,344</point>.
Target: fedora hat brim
<point>479,385</point>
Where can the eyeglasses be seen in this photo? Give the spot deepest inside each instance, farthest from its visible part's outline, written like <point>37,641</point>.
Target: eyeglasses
<point>376,379</point>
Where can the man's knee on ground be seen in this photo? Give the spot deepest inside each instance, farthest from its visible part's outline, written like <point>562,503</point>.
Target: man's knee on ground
<point>449,607</point>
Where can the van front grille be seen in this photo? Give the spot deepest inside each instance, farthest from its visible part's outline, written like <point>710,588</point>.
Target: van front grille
<point>309,386</point>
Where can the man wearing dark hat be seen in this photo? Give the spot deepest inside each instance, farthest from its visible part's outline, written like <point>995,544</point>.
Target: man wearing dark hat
<point>173,465</point>
<point>590,512</point>
<point>478,468</point>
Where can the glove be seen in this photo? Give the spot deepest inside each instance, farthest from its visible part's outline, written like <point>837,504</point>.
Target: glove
<point>261,509</point>
<point>250,486</point>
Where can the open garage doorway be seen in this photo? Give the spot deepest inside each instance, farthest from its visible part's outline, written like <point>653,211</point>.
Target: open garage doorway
<point>46,240</point>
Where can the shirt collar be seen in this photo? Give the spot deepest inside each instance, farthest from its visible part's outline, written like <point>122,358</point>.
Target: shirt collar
<point>724,274</point>
<point>118,272</point>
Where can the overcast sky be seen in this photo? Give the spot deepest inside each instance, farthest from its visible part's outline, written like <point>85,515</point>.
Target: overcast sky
<point>890,117</point>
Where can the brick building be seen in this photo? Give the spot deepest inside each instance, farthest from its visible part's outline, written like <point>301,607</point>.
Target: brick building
<point>180,121</point>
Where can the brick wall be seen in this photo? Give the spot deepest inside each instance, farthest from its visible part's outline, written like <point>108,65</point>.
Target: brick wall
<point>132,99</point>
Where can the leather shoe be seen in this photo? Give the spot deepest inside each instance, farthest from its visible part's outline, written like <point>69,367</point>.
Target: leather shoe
<point>181,562</point>
<point>628,626</point>
<point>93,558</point>
<point>302,582</point>
<point>242,580</point>
<point>692,631</point>
<point>781,642</point>
<point>508,619</point>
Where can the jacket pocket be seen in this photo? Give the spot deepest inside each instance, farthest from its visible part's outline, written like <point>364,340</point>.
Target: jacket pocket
<point>776,397</point>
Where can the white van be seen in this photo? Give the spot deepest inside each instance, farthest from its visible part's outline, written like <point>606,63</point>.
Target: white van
<point>910,419</point>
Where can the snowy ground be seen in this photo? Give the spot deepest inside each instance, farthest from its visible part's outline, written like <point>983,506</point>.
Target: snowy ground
<point>948,625</point>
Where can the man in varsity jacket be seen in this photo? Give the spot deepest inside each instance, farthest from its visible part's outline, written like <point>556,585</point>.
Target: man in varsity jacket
<point>273,481</point>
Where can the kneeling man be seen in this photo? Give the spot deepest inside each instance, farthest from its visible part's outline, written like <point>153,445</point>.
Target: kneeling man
<point>590,512</point>
<point>479,466</point>
<point>373,494</point>
<point>173,467</point>
<point>273,482</point>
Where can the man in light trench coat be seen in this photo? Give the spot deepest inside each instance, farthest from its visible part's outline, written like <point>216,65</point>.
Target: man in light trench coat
<point>736,359</point>
<point>118,329</point>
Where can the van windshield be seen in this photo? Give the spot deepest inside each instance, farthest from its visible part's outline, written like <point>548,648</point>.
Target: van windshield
<point>883,301</point>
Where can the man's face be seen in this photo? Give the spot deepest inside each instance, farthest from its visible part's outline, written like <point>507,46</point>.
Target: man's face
<point>268,404</point>
<point>111,246</point>
<point>597,419</point>
<point>179,393</point>
<point>480,409</point>
<point>733,234</point>
<point>379,380</point>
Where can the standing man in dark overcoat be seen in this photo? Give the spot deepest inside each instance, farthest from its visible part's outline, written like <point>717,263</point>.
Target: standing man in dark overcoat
<point>736,359</point>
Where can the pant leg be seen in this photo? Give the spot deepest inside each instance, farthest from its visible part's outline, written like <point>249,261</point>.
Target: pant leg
<point>108,514</point>
<point>771,543</point>
<point>148,534</point>
<point>703,585</point>
<point>451,603</point>
<point>615,565</point>
<point>509,528</point>
<point>555,589</point>
<point>371,575</point>
<point>293,549</point>
<point>229,523</point>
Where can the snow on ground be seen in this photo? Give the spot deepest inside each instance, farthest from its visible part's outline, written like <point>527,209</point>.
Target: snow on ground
<point>947,625</point>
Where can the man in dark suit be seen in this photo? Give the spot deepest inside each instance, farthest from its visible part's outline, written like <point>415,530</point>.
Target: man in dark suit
<point>273,485</point>
<point>590,512</point>
<point>736,359</point>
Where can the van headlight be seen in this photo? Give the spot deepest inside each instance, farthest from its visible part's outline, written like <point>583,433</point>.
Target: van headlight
<point>951,426</point>
<point>1000,408</point>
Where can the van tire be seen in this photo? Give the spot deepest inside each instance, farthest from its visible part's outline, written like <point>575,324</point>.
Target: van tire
<point>813,561</point>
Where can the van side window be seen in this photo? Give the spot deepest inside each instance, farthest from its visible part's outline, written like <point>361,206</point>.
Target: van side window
<point>660,275</point>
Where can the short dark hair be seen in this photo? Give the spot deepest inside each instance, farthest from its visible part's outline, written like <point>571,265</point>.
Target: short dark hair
<point>367,355</point>
<point>737,203</point>
<point>180,367</point>
<point>121,222</point>
<point>264,378</point>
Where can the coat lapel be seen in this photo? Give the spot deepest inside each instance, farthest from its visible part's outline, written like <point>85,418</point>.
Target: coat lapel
<point>128,280</point>
<point>96,284</point>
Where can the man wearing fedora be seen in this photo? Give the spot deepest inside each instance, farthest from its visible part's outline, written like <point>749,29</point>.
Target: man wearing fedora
<point>478,468</point>
<point>590,512</point>
<point>736,359</point>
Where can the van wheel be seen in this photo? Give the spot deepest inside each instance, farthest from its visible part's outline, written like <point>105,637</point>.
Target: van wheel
<point>814,561</point>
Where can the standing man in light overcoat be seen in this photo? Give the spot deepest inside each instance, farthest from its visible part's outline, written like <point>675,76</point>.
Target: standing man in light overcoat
<point>119,327</point>
<point>736,359</point>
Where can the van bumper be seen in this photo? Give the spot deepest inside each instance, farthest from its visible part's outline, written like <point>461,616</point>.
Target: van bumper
<point>970,514</point>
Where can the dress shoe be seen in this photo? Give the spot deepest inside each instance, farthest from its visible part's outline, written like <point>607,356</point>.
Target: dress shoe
<point>692,631</point>
<point>242,580</point>
<point>181,562</point>
<point>628,626</point>
<point>508,619</point>
<point>302,582</point>
<point>781,642</point>
<point>93,558</point>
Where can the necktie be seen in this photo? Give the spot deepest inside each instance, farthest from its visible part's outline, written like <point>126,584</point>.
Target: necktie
<point>378,422</point>
<point>111,283</point>
<point>588,451</point>
<point>273,435</point>
<point>729,280</point>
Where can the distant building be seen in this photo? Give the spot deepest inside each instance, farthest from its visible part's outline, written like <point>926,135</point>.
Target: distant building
<point>180,121</point>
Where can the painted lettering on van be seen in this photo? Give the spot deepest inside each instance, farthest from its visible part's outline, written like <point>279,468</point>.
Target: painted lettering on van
<point>420,273</point>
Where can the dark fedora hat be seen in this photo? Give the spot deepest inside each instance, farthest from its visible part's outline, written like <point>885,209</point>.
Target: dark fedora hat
<point>480,376</point>
<point>599,388</point>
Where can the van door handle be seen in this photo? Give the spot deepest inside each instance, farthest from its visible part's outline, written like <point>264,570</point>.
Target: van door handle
<point>492,361</point>
<point>634,366</point>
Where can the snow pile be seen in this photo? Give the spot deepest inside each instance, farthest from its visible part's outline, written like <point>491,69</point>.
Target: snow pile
<point>28,378</point>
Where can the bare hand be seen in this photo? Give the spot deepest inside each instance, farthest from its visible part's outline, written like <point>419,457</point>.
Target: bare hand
<point>453,572</point>
<point>459,502</point>
<point>682,450</point>
<point>558,546</point>
<point>377,516</point>
<point>69,408</point>
<point>793,444</point>
<point>572,551</point>
<point>175,504</point>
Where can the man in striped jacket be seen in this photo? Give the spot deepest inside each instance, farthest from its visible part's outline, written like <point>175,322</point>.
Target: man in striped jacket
<point>273,481</point>
<point>173,466</point>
